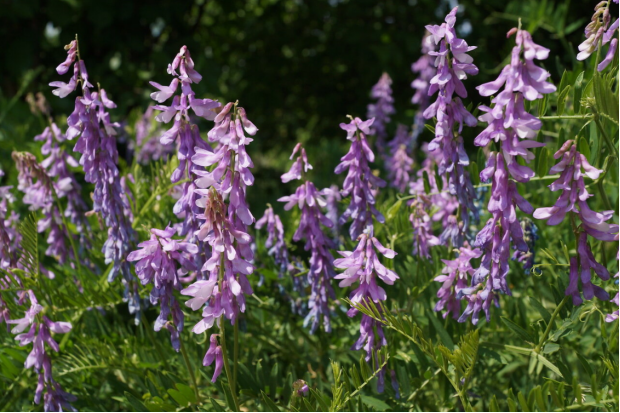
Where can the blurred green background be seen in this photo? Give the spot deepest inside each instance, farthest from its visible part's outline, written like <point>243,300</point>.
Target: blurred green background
<point>298,67</point>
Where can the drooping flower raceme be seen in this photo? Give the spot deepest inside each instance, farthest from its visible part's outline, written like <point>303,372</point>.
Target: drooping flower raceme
<point>453,65</point>
<point>275,242</point>
<point>455,277</point>
<point>224,225</point>
<point>38,333</point>
<point>425,69</point>
<point>381,109</point>
<point>310,201</point>
<point>360,181</point>
<point>161,260</point>
<point>513,129</point>
<point>91,123</point>
<point>598,33</point>
<point>530,236</point>
<point>363,266</point>
<point>399,163</point>
<point>184,133</point>
<point>572,167</point>
<point>148,146</point>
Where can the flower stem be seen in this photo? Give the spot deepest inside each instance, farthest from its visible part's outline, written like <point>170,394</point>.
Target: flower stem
<point>588,116</point>
<point>551,320</point>
<point>190,370</point>
<point>235,352</point>
<point>231,385</point>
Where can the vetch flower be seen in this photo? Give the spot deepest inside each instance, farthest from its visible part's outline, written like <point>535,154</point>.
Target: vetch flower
<point>381,109</point>
<point>310,201</point>
<point>453,65</point>
<point>598,33</point>
<point>275,241</point>
<point>360,182</point>
<point>425,69</point>
<point>399,162</point>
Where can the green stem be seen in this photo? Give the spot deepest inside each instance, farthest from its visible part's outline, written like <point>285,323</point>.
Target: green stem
<point>190,370</point>
<point>608,141</point>
<point>152,199</point>
<point>588,116</point>
<point>235,352</point>
<point>603,195</point>
<point>233,391</point>
<point>550,325</point>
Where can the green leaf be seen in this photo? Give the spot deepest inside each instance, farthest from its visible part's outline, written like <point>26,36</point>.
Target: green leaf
<point>443,334</point>
<point>562,100</point>
<point>518,330</point>
<point>438,179</point>
<point>523,403</point>
<point>271,406</point>
<point>549,365</point>
<point>376,404</point>
<point>578,87</point>
<point>430,128</point>
<point>551,348</point>
<point>541,309</point>
<point>541,164</point>
<point>427,184</point>
<point>135,403</point>
<point>474,172</point>
<point>391,213</point>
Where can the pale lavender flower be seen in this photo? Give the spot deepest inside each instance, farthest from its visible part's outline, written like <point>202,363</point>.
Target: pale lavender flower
<point>453,65</point>
<point>423,237</point>
<point>455,277</point>
<point>214,353</point>
<point>360,182</point>
<point>161,262</point>
<point>310,201</point>
<point>8,234</point>
<point>614,316</point>
<point>598,33</point>
<point>333,198</point>
<point>275,242</point>
<point>399,162</point>
<point>425,69</point>
<point>514,130</point>
<point>381,109</point>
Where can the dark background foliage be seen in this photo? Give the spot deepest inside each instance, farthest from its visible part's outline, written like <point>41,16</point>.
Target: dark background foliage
<point>298,67</point>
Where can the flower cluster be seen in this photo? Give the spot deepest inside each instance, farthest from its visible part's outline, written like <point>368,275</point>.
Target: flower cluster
<point>310,201</point>
<point>363,266</point>
<point>453,65</point>
<point>572,167</point>
<point>455,277</point>
<point>513,129</point>
<point>39,328</point>
<point>157,264</point>
<point>224,225</point>
<point>425,69</point>
<point>360,182</point>
<point>275,239</point>
<point>8,256</point>
<point>399,163</point>
<point>614,316</point>
<point>185,134</point>
<point>530,236</point>
<point>598,33</point>
<point>382,109</point>
<point>91,123</point>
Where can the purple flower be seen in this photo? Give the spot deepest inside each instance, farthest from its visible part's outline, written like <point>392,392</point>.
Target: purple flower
<point>91,123</point>
<point>161,260</point>
<point>214,353</point>
<point>572,167</point>
<point>453,65</point>
<point>598,33</point>
<point>530,236</point>
<point>381,110</point>
<point>514,130</point>
<point>425,69</point>
<point>399,163</point>
<point>614,316</point>
<point>38,334</point>
<point>310,201</point>
<point>332,198</point>
<point>455,277</point>
<point>275,242</point>
<point>360,182</point>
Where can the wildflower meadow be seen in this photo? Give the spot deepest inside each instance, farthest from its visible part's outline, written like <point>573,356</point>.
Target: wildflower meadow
<point>443,237</point>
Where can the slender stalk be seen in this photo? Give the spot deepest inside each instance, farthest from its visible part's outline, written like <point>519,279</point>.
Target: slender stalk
<point>231,385</point>
<point>190,369</point>
<point>588,116</point>
<point>551,320</point>
<point>608,141</point>
<point>235,352</point>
